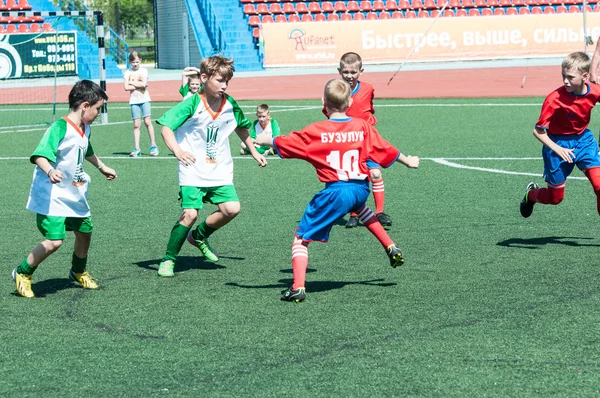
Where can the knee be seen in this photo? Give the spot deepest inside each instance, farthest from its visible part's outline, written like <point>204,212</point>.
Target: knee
<point>53,245</point>
<point>147,122</point>
<point>189,217</point>
<point>231,210</point>
<point>136,123</point>
<point>556,196</point>
<point>375,174</point>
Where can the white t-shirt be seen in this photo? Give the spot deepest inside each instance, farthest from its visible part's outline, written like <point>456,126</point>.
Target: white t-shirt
<point>140,95</point>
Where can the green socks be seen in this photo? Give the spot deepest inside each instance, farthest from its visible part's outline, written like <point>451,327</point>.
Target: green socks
<point>203,231</point>
<point>78,264</point>
<point>25,268</point>
<point>178,236</point>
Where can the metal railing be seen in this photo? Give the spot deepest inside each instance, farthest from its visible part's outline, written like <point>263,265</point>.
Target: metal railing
<point>213,26</point>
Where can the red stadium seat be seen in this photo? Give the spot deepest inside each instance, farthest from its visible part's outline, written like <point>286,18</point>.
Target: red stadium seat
<point>524,11</point>
<point>346,17</point>
<point>536,10</point>
<point>506,3</point>
<point>254,20</point>
<point>597,8</point>
<point>480,3</point>
<point>288,8</point>
<point>397,15</point>
<point>588,8</point>
<point>249,9</point>
<point>366,6</point>
<point>333,17</point>
<point>301,8</point>
<point>379,5</point>
<point>11,5</point>
<point>461,12</point>
<point>307,18</point>
<point>47,27</point>
<point>429,4</point>
<point>423,14</point>
<point>574,9</point>
<point>454,4</point>
<point>556,2</point>
<point>256,33</point>
<point>391,5</point>
<point>416,4</point>
<point>499,11</point>
<point>434,13</point>
<point>493,3</point>
<point>3,29</point>
<point>280,18</point>
<point>563,10</point>
<point>512,11</point>
<point>24,5</point>
<point>543,2</point>
<point>267,19</point>
<point>340,6</point>
<point>262,9</point>
<point>404,5</point>
<point>320,18</point>
<point>293,18</point>
<point>517,3</point>
<point>449,13</point>
<point>410,14</point>
<point>486,12</point>
<point>23,28</point>
<point>549,10</point>
<point>359,16</point>
<point>441,3</point>
<point>384,15</point>
<point>474,12</point>
<point>353,6</point>
<point>11,29</point>
<point>372,16</point>
<point>326,6</point>
<point>531,3</point>
<point>314,7</point>
<point>468,3</point>
<point>275,8</point>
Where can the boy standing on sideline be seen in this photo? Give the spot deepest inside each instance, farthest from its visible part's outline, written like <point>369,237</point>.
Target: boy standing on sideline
<point>562,128</point>
<point>338,149</point>
<point>264,124</point>
<point>59,189</point>
<point>362,107</point>
<point>197,132</point>
<point>190,82</point>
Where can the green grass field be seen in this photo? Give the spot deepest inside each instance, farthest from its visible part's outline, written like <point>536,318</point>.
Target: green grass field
<point>487,303</point>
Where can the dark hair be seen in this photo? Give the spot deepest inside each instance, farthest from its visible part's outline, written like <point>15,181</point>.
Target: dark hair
<point>85,91</point>
<point>133,55</point>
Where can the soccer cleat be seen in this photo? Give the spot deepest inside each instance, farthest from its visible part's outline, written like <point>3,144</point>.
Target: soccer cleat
<point>352,222</point>
<point>395,255</point>
<point>295,296</point>
<point>204,247</point>
<point>166,268</point>
<point>84,279</point>
<point>384,219</point>
<point>23,283</point>
<point>153,150</point>
<point>526,207</point>
<point>135,153</point>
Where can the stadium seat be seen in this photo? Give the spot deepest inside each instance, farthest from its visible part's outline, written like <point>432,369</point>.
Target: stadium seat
<point>467,3</point>
<point>333,17</point>
<point>384,15</point>
<point>416,4</point>
<point>404,5</point>
<point>441,3</point>
<point>267,19</point>
<point>563,10</point>
<point>391,5</point>
<point>588,8</point>
<point>2,29</point>
<point>327,7</point>
<point>410,14</point>
<point>47,27</point>
<point>320,18</point>
<point>499,11</point>
<point>429,4</point>
<point>314,7</point>
<point>366,6</point>
<point>301,8</point>
<point>288,8</point>
<point>372,16</point>
<point>480,3</point>
<point>249,9</point>
<point>293,18</point>
<point>574,9</point>
<point>24,5</point>
<point>555,2</point>
<point>423,14</point>
<point>359,16</point>
<point>11,29</point>
<point>280,18</point>
<point>543,2</point>
<point>346,17</point>
<point>449,13</point>
<point>434,13</point>
<point>340,6</point>
<point>275,8</point>
<point>379,5</point>
<point>536,10</point>
<point>549,10</point>
<point>493,3</point>
<point>486,12</point>
<point>353,6</point>
<point>530,3</point>
<point>307,18</point>
<point>256,33</point>
<point>262,9</point>
<point>11,5</point>
<point>518,3</point>
<point>474,12</point>
<point>461,12</point>
<point>453,4</point>
<point>397,15</point>
<point>512,11</point>
<point>506,3</point>
<point>254,20</point>
<point>524,11</point>
<point>597,8</point>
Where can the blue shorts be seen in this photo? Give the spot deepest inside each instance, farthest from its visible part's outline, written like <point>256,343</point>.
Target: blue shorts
<point>585,149</point>
<point>328,206</point>
<point>372,165</point>
<point>139,110</point>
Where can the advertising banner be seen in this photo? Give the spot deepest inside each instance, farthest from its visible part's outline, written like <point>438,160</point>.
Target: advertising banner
<point>449,39</point>
<point>24,55</point>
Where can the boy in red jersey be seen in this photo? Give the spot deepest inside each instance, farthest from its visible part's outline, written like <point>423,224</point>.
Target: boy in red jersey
<point>562,128</point>
<point>362,107</point>
<point>338,148</point>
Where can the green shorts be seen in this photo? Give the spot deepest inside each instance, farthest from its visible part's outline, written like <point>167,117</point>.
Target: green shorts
<point>55,228</point>
<point>194,197</point>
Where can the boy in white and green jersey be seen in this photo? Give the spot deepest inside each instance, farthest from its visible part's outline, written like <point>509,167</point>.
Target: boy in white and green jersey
<point>197,132</point>
<point>264,124</point>
<point>190,82</point>
<point>59,190</point>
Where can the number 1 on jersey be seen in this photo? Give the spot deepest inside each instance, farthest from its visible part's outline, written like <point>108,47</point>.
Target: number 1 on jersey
<point>349,169</point>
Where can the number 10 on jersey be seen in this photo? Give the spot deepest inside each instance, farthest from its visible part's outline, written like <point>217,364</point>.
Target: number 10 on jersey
<point>347,165</point>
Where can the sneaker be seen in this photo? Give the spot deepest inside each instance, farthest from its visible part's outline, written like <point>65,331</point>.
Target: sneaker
<point>23,283</point>
<point>135,153</point>
<point>526,207</point>
<point>204,247</point>
<point>352,222</point>
<point>84,279</point>
<point>384,219</point>
<point>296,296</point>
<point>166,268</point>
<point>395,255</point>
<point>153,150</point>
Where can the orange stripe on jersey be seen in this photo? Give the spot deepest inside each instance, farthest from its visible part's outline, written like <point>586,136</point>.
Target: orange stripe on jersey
<point>212,113</point>
<point>76,127</point>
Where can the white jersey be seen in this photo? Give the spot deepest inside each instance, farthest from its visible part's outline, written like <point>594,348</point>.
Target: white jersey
<point>140,95</point>
<point>65,146</point>
<point>205,133</point>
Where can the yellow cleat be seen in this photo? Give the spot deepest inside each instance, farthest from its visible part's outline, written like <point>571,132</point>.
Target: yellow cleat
<point>84,279</point>
<point>23,283</point>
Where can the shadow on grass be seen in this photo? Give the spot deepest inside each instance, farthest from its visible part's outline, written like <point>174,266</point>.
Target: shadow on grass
<point>184,263</point>
<point>51,286</point>
<point>315,286</point>
<point>535,243</point>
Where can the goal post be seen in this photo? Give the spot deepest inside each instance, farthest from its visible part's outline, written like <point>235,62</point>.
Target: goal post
<point>39,63</point>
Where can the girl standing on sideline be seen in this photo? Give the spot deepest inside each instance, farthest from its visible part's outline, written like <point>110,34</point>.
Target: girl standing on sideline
<point>136,82</point>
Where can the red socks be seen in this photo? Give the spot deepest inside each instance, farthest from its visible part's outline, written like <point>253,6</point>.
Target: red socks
<point>594,176</point>
<point>299,263</point>
<point>378,195</point>
<point>547,196</point>
<point>369,220</point>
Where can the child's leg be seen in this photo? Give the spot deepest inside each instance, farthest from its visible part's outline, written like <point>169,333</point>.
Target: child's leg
<point>39,253</point>
<point>136,133</point>
<point>179,233</point>
<point>552,195</point>
<point>80,251</point>
<point>227,212</point>
<point>150,127</point>
<point>594,176</point>
<point>378,189</point>
<point>369,220</point>
<point>299,262</point>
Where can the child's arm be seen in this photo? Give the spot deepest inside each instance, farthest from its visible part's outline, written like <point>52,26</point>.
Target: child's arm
<point>412,162</point>
<point>246,139</point>
<point>110,174</point>
<point>54,175</point>
<point>187,72</point>
<point>566,154</point>
<point>595,64</point>
<point>264,140</point>
<point>168,135</point>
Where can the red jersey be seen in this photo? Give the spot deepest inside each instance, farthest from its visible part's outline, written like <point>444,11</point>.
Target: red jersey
<point>362,103</point>
<point>338,148</point>
<point>565,113</point>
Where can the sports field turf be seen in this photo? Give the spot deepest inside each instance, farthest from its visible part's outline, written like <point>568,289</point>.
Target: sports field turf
<point>487,303</point>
